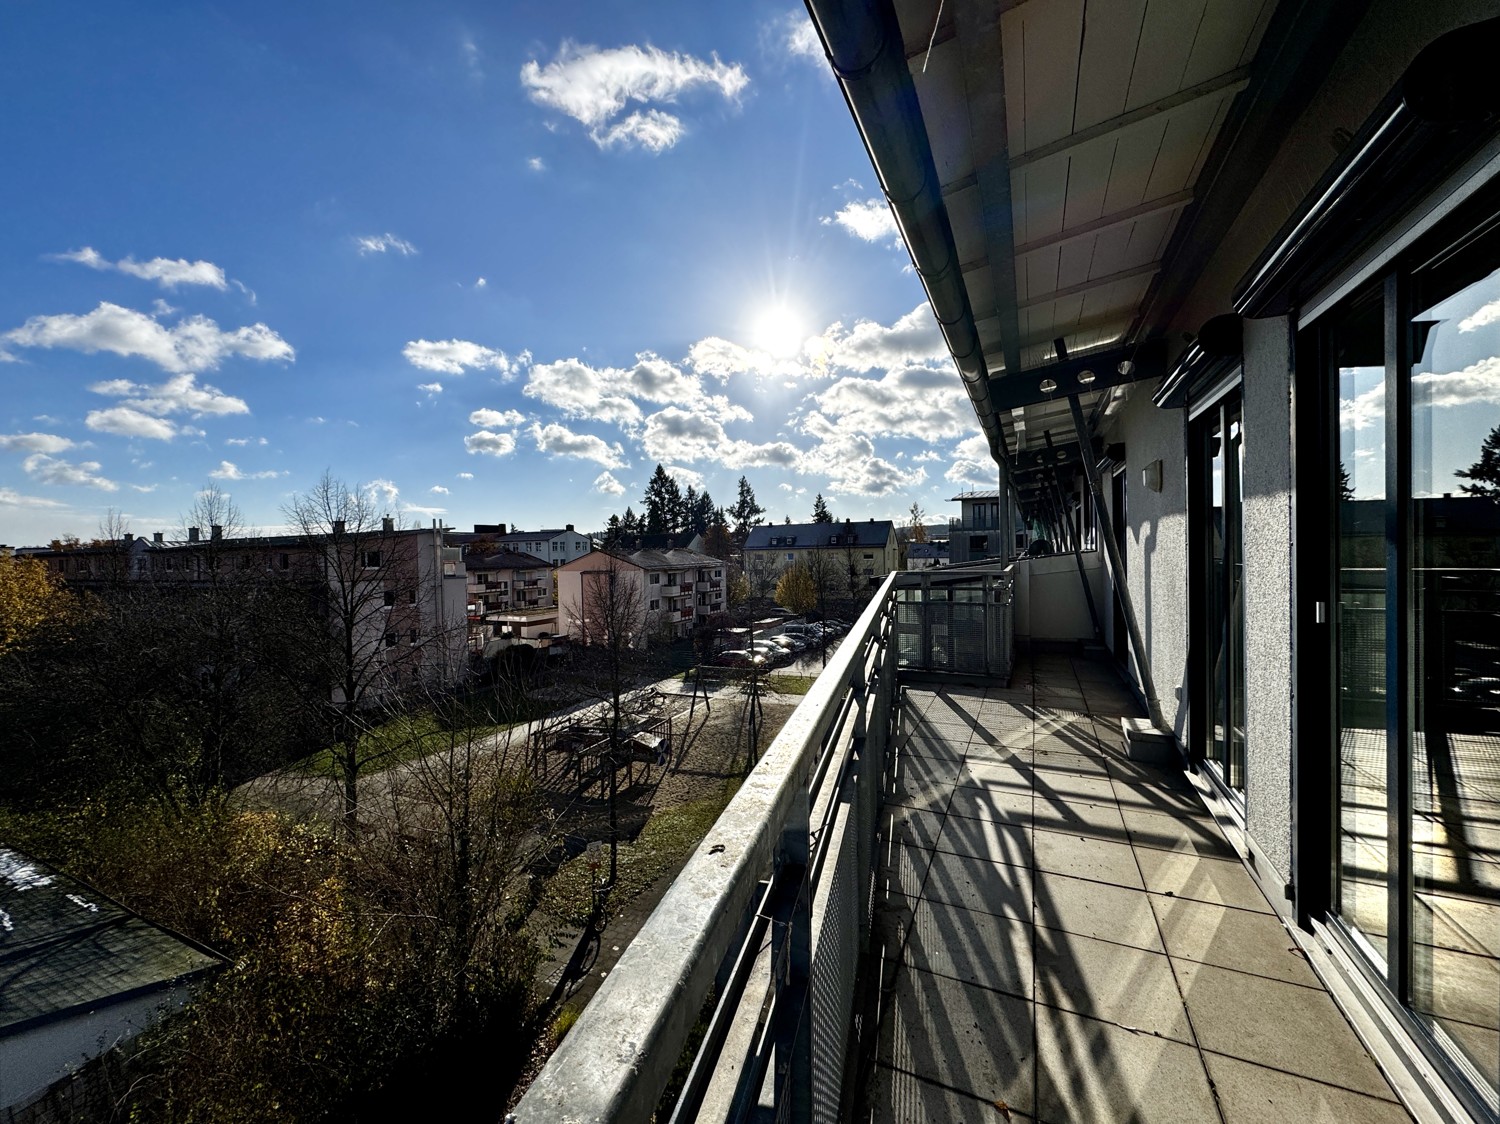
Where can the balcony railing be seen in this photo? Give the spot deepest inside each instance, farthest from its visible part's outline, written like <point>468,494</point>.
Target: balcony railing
<point>772,911</point>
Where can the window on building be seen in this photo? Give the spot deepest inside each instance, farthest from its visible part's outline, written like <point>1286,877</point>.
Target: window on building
<point>390,639</point>
<point>283,561</point>
<point>390,598</point>
<point>790,557</point>
<point>655,605</point>
<point>413,636</point>
<point>655,579</point>
<point>868,557</point>
<point>411,596</point>
<point>371,559</point>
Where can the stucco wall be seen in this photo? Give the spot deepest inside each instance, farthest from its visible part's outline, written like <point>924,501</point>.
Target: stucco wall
<point>1267,490</point>
<point>1156,544</point>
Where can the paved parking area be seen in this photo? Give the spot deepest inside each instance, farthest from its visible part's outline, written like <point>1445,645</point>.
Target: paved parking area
<point>1065,935</point>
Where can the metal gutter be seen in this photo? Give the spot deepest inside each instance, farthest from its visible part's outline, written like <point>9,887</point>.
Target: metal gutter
<point>863,43</point>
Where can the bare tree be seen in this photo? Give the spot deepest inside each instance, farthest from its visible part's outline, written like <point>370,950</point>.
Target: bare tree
<point>366,576</point>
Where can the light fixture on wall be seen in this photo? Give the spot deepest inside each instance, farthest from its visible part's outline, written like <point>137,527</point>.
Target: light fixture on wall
<point>1151,476</point>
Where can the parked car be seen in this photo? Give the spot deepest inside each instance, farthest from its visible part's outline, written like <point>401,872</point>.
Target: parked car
<point>788,644</point>
<point>739,657</point>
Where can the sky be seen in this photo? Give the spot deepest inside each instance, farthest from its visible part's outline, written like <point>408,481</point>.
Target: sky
<point>492,262</point>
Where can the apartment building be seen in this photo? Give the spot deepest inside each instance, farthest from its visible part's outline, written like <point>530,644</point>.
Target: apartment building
<point>647,594</point>
<point>868,549</point>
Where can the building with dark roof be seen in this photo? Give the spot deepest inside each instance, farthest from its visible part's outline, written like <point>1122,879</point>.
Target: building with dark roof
<point>79,975</point>
<point>869,549</point>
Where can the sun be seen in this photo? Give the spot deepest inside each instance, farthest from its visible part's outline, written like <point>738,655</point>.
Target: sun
<point>779,331</point>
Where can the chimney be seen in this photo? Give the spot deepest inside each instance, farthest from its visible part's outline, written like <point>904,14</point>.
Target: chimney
<point>387,524</point>
<point>156,537</point>
<point>192,534</point>
<point>216,532</point>
<point>502,528</point>
<point>129,538</point>
<point>338,526</point>
<point>569,526</point>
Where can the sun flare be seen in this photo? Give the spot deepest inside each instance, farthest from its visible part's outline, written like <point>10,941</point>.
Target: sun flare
<point>779,331</point>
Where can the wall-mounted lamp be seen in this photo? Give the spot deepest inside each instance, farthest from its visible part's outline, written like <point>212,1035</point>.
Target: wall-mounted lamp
<point>1151,476</point>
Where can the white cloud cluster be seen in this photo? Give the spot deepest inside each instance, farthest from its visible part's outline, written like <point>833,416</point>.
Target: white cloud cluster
<point>972,463</point>
<point>144,410</point>
<point>166,272</point>
<point>368,244</point>
<point>228,470</point>
<point>1476,384</point>
<point>918,402</point>
<point>558,440</point>
<point>799,38</point>
<point>675,434</point>
<point>193,344</point>
<point>848,460</point>
<point>594,87</point>
<point>454,357</point>
<point>34,443</point>
<point>913,339</point>
<point>491,444</point>
<point>869,220</point>
<point>53,470</point>
<point>494,419</point>
<point>242,441</point>
<point>605,484</point>
<point>9,497</point>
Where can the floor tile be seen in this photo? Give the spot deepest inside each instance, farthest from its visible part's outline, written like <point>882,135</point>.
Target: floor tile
<point>1113,982</point>
<point>980,838</point>
<point>971,1039</point>
<point>998,805</point>
<point>920,782</point>
<point>1085,857</point>
<point>990,887</point>
<point>1170,833</point>
<point>1252,1094</point>
<point>1066,785</point>
<point>1095,909</point>
<point>1231,938</point>
<point>911,826</point>
<point>1096,1071</point>
<point>1185,875</point>
<point>1096,820</point>
<point>897,1097</point>
<point>1280,1025</point>
<point>977,948</point>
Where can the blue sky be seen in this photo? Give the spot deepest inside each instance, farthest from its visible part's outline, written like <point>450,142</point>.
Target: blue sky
<point>494,261</point>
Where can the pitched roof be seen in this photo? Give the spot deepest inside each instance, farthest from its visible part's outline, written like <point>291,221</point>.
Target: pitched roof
<point>671,559</point>
<point>508,560</point>
<point>68,949</point>
<point>872,532</point>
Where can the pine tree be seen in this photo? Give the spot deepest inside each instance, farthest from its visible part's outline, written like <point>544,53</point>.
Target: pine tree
<point>745,513</point>
<point>918,523</point>
<point>660,500</point>
<point>820,510</point>
<point>1485,472</point>
<point>612,532</point>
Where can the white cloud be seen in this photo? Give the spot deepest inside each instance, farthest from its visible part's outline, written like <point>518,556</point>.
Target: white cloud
<point>917,402</point>
<point>536,164</point>
<point>595,86</point>
<point>1476,384</point>
<point>228,470</point>
<point>480,283</point>
<point>9,497</point>
<point>34,443</point>
<point>51,470</point>
<point>465,475</point>
<point>438,490</point>
<point>166,272</point>
<point>194,344</point>
<point>800,38</point>
<point>848,460</point>
<point>972,463</point>
<point>1365,409</point>
<point>382,492</point>
<point>869,220</point>
<point>606,484</point>
<point>675,434</point>
<point>382,243</point>
<point>245,441</point>
<point>123,421</point>
<point>722,359</point>
<point>913,339</point>
<point>560,441</point>
<point>431,387</point>
<point>180,394</point>
<point>1484,315</point>
<point>491,444</point>
<point>454,357</point>
<point>581,391</point>
<point>927,455</point>
<point>494,419</point>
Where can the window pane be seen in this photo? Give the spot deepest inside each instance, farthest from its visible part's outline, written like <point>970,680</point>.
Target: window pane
<point>1455,659</point>
<point>1358,342</point>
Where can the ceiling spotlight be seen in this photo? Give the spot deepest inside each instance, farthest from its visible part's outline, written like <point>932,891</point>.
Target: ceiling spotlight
<point>1126,367</point>
<point>1085,377</point>
<point>1048,386</point>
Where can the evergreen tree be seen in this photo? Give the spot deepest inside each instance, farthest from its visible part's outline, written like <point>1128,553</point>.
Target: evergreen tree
<point>661,500</point>
<point>1485,472</point>
<point>630,526</point>
<point>820,510</point>
<point>745,513</point>
<point>612,532</point>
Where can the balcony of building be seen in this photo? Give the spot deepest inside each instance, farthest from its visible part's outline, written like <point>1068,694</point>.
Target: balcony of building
<point>948,891</point>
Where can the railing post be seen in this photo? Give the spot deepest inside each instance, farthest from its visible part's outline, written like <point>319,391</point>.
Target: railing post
<point>791,957</point>
<point>924,612</point>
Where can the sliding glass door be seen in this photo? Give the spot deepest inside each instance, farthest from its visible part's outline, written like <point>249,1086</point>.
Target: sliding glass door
<point>1413,365</point>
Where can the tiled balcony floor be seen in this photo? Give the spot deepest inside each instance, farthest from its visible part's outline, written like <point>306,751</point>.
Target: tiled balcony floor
<point>1065,933</point>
